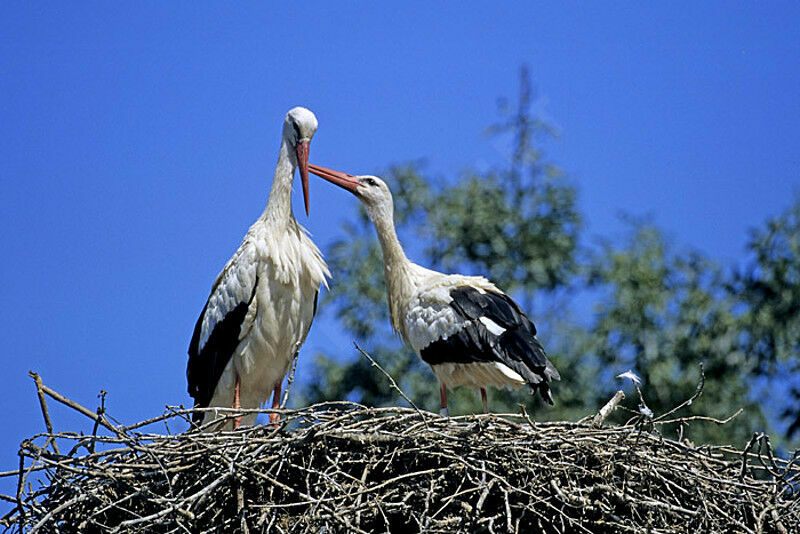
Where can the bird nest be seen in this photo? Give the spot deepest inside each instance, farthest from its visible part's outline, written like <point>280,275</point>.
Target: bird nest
<point>343,467</point>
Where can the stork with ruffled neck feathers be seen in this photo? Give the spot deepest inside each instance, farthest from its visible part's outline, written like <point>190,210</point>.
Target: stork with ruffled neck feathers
<point>263,302</point>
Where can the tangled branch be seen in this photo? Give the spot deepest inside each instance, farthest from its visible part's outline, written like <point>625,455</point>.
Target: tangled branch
<point>344,467</point>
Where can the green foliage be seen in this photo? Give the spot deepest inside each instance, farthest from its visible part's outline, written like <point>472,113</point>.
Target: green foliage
<point>771,291</point>
<point>665,315</point>
<point>522,236</point>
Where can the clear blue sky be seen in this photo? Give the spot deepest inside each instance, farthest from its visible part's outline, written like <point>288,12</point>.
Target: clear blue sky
<point>137,144</point>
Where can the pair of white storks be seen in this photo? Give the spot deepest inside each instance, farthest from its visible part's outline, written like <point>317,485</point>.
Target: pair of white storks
<point>262,304</point>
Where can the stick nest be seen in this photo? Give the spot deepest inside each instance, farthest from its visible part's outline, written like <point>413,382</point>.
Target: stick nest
<point>343,467</point>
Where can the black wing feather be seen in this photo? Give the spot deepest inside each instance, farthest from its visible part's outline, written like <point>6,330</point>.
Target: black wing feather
<point>517,347</point>
<point>206,365</point>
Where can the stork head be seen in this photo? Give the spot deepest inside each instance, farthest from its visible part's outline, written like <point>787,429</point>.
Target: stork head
<point>371,190</point>
<point>298,129</point>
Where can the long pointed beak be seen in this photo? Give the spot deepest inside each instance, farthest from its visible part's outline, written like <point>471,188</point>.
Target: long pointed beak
<point>302,163</point>
<point>342,179</point>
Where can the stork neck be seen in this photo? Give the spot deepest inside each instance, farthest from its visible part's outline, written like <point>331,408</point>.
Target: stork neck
<point>398,270</point>
<point>393,254</point>
<point>279,205</point>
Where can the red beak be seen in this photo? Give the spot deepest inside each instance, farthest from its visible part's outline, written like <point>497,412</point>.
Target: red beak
<point>342,179</point>
<point>302,162</point>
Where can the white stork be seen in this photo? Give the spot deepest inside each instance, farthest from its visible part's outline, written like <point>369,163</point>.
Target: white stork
<point>262,303</point>
<point>465,328</point>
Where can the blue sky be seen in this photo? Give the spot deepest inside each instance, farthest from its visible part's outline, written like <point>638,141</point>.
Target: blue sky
<point>138,142</point>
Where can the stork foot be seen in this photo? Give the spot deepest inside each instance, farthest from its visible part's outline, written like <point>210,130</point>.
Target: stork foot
<point>443,396</point>
<point>237,421</point>
<point>274,418</point>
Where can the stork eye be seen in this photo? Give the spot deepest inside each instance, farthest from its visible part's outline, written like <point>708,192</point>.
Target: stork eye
<point>370,181</point>
<point>296,129</point>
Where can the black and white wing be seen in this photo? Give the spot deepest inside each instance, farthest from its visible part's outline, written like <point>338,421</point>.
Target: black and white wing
<point>226,318</point>
<point>483,326</point>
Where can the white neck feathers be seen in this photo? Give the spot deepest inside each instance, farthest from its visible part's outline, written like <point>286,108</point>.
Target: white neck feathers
<point>398,269</point>
<point>279,206</point>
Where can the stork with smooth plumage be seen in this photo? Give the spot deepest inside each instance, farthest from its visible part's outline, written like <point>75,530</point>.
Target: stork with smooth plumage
<point>263,302</point>
<point>468,331</point>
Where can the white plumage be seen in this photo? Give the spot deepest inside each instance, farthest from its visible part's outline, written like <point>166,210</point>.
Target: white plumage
<point>465,328</point>
<point>429,317</point>
<point>263,302</point>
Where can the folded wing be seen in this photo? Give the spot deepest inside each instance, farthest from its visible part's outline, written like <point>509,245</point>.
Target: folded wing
<point>480,326</point>
<point>222,324</point>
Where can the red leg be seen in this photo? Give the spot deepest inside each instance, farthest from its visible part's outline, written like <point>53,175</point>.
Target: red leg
<point>276,402</point>
<point>485,402</point>
<point>236,404</point>
<point>443,395</point>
